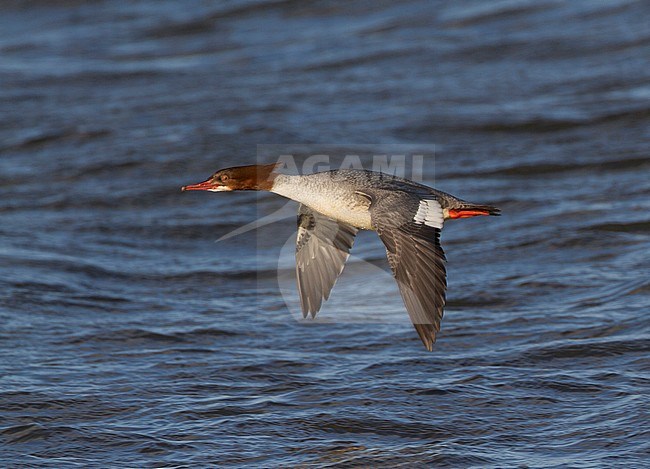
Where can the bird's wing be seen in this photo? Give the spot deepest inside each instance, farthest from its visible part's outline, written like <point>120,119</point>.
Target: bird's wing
<point>322,247</point>
<point>409,226</point>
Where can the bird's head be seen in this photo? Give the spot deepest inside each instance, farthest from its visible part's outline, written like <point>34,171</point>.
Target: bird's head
<point>257,177</point>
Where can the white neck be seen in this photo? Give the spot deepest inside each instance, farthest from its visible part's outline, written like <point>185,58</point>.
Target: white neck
<point>291,187</point>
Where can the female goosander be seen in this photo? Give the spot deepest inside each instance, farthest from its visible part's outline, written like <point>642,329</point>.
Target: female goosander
<point>335,205</point>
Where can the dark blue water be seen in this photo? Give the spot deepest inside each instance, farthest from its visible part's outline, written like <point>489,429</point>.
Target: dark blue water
<point>128,337</point>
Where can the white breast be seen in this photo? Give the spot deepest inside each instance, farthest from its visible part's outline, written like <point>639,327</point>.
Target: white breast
<point>331,198</point>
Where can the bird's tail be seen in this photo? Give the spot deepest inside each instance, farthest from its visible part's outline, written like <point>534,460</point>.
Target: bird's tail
<point>466,210</point>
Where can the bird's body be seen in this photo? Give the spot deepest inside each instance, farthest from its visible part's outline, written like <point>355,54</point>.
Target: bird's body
<point>330,194</point>
<point>336,204</point>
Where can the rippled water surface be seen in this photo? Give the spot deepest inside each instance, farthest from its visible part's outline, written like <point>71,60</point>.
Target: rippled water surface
<point>128,337</point>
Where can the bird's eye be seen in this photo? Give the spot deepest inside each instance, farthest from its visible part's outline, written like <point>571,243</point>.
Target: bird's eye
<point>224,177</point>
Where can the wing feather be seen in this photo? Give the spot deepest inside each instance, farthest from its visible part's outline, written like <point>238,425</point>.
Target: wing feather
<point>322,247</point>
<point>415,257</point>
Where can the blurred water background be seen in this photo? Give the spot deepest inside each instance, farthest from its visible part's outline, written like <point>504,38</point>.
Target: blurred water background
<point>128,337</point>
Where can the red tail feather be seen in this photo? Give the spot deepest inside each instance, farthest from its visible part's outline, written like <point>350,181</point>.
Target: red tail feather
<point>474,211</point>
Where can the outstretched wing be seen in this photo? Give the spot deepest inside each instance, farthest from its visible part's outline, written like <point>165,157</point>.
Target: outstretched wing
<point>322,247</point>
<point>410,229</point>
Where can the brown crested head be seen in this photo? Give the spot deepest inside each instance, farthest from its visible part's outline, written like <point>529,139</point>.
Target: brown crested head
<point>256,177</point>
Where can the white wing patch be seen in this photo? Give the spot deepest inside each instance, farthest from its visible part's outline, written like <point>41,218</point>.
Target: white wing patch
<point>430,213</point>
